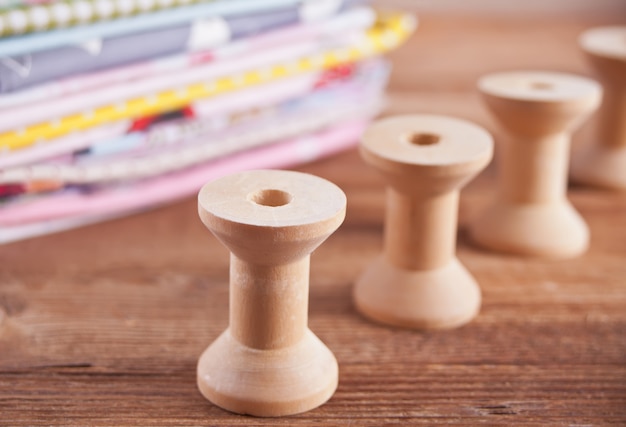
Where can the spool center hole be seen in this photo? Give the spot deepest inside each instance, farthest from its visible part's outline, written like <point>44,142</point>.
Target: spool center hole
<point>270,197</point>
<point>423,138</point>
<point>541,86</point>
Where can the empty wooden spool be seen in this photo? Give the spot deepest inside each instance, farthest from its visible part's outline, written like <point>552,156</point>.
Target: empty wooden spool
<point>602,162</point>
<point>418,282</point>
<point>268,362</point>
<point>530,214</point>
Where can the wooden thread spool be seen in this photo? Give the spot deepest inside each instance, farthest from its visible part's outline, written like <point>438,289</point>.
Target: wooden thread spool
<point>530,214</point>
<point>268,362</point>
<point>425,160</point>
<point>603,162</point>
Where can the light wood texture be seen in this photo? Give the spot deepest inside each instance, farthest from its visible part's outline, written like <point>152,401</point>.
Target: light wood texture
<point>268,363</point>
<point>602,162</point>
<point>103,326</point>
<point>530,213</point>
<point>553,9</point>
<point>425,160</point>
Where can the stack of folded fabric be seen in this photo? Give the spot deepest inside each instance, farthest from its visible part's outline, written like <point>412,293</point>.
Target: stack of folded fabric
<point>109,107</point>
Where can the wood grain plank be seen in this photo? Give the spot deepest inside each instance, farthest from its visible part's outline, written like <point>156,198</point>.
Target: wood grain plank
<point>103,326</point>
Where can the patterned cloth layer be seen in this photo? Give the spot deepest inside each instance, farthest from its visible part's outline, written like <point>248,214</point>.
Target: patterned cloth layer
<point>154,96</point>
<point>75,208</point>
<point>165,143</point>
<point>121,139</point>
<point>261,96</point>
<point>353,20</point>
<point>35,42</point>
<point>25,16</point>
<point>22,71</point>
<point>213,145</point>
<point>83,102</point>
<point>19,16</point>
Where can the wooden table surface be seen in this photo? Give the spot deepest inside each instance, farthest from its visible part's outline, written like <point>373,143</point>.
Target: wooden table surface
<point>104,325</point>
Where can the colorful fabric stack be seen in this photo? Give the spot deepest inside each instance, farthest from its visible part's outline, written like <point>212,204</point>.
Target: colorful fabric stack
<point>109,107</point>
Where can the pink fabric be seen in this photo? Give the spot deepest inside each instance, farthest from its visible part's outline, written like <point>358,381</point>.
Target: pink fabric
<point>166,188</point>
